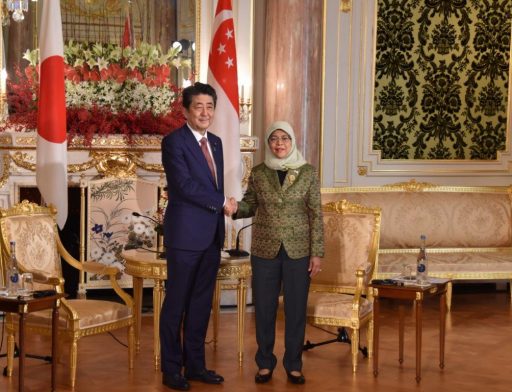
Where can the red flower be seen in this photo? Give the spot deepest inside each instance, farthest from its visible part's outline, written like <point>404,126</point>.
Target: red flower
<point>71,73</point>
<point>135,74</point>
<point>83,115</point>
<point>32,73</point>
<point>118,74</point>
<point>94,76</point>
<point>106,73</point>
<point>97,120</point>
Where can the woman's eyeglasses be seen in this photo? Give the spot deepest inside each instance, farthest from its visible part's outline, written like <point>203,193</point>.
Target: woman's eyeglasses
<point>275,139</point>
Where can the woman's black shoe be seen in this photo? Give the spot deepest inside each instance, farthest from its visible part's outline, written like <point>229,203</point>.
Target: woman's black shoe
<point>263,378</point>
<point>296,379</point>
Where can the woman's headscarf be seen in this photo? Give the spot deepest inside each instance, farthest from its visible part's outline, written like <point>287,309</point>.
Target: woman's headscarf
<point>294,160</point>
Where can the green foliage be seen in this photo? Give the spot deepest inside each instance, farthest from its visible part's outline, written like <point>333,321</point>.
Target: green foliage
<point>117,189</point>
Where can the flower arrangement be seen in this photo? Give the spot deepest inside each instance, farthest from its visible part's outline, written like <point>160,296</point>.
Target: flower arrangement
<point>142,232</point>
<point>109,90</point>
<point>143,228</point>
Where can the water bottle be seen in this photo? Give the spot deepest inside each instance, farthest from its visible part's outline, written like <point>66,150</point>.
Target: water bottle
<point>421,266</point>
<point>13,274</point>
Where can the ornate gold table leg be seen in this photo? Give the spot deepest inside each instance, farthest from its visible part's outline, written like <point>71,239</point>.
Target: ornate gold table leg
<point>241,303</point>
<point>157,307</point>
<point>216,310</point>
<point>137,296</point>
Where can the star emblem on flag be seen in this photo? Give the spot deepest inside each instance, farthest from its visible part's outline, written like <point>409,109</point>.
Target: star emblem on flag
<point>222,59</point>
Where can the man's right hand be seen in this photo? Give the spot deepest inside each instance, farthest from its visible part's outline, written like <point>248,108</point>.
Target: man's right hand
<point>231,206</point>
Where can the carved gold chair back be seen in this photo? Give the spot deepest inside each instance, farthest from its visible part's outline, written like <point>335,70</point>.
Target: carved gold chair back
<point>39,250</point>
<point>339,295</point>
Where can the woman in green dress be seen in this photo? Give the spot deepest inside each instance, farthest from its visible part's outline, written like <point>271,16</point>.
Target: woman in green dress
<point>283,196</point>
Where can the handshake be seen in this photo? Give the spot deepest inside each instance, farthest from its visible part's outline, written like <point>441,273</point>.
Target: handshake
<point>231,206</point>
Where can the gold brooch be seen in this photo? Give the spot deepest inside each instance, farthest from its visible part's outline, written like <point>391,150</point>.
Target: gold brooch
<point>292,175</point>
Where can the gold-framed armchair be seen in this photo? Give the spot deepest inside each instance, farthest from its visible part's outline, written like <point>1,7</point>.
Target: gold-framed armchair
<point>39,250</point>
<point>339,295</point>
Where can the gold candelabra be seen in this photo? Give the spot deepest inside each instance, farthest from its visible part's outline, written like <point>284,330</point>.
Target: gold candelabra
<point>245,109</point>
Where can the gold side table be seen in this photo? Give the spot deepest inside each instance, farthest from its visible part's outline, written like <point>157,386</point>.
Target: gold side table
<point>141,264</point>
<point>232,269</point>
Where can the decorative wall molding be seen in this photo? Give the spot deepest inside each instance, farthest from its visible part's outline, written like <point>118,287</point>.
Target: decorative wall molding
<point>112,156</point>
<point>5,169</point>
<point>347,124</point>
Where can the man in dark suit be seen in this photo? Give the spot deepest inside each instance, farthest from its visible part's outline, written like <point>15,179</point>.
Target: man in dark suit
<point>193,236</point>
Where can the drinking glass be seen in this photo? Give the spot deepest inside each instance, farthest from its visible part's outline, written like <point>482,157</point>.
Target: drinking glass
<point>27,282</point>
<point>406,273</point>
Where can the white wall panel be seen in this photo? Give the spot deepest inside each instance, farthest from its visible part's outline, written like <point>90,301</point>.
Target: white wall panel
<point>347,155</point>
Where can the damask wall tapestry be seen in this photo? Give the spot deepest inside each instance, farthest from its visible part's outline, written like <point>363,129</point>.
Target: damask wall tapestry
<point>441,79</point>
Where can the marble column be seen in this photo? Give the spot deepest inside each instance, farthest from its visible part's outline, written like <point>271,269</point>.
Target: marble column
<point>293,70</point>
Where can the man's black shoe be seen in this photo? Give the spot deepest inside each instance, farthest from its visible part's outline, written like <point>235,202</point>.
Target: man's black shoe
<point>175,381</point>
<point>206,376</point>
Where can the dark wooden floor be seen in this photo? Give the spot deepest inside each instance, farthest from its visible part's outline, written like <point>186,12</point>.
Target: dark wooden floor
<point>478,357</point>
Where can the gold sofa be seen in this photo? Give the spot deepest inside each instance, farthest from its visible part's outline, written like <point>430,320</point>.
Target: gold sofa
<point>468,229</point>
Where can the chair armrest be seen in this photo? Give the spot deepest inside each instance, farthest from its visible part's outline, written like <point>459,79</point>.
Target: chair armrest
<point>357,290</point>
<point>95,267</point>
<point>87,266</point>
<point>360,286</point>
<point>42,277</point>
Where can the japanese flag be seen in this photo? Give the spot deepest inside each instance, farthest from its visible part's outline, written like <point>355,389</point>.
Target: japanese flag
<point>51,162</point>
